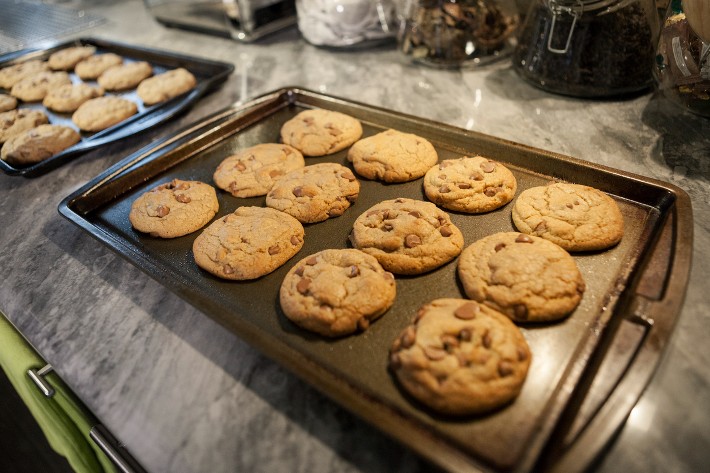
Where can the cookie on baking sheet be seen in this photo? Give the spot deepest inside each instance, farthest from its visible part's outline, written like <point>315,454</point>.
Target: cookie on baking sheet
<point>525,277</point>
<point>67,98</point>
<point>470,184</point>
<point>7,102</point>
<point>337,292</point>
<point>165,86</point>
<point>33,88</point>
<point>102,112</point>
<point>459,357</point>
<point>315,193</point>
<point>392,156</point>
<point>65,59</point>
<point>174,209</point>
<point>320,132</point>
<point>249,243</point>
<point>11,75</point>
<point>93,66</point>
<point>254,170</point>
<point>407,236</point>
<point>37,144</point>
<point>15,122</point>
<point>576,217</point>
<point>125,76</point>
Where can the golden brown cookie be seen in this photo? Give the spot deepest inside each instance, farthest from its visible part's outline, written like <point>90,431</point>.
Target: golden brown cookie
<point>33,88</point>
<point>407,236</point>
<point>7,102</point>
<point>125,76</point>
<point>254,170</point>
<point>37,144</point>
<point>174,209</point>
<point>525,277</point>
<point>320,132</point>
<point>165,86</point>
<point>102,112</point>
<point>65,59</point>
<point>392,156</point>
<point>470,184</point>
<point>249,243</point>
<point>459,357</point>
<point>336,292</point>
<point>93,66</point>
<point>315,193</point>
<point>15,122</point>
<point>11,75</point>
<point>575,217</point>
<point>67,98</point>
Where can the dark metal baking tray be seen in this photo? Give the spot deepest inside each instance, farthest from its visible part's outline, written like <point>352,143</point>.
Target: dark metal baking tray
<point>587,372</point>
<point>207,72</point>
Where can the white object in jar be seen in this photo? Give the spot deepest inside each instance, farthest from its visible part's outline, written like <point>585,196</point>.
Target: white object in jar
<point>345,22</point>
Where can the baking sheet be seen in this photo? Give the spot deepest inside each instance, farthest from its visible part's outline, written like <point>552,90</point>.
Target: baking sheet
<point>571,402</point>
<point>207,73</point>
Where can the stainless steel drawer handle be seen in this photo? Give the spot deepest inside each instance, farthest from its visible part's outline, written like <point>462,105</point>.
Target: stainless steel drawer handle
<point>38,378</point>
<point>114,450</point>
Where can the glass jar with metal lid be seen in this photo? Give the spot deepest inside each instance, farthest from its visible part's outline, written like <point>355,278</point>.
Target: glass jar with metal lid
<point>588,48</point>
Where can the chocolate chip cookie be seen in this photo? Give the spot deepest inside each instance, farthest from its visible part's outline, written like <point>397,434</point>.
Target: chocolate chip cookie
<point>126,76</point>
<point>459,357</point>
<point>7,103</point>
<point>525,277</point>
<point>102,112</point>
<point>33,88</point>
<point>407,236</point>
<point>315,193</point>
<point>392,156</point>
<point>249,243</point>
<point>11,75</point>
<point>165,86</point>
<point>470,184</point>
<point>15,122</point>
<point>174,209</point>
<point>336,292</point>
<point>254,170</point>
<point>93,66</point>
<point>576,217</point>
<point>67,98</point>
<point>65,59</point>
<point>37,144</point>
<point>320,132</point>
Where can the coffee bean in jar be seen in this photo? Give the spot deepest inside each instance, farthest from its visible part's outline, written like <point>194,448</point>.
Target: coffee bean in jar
<point>588,48</point>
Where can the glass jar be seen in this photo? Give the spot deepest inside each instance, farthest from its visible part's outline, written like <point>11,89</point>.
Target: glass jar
<point>588,48</point>
<point>683,62</point>
<point>346,23</point>
<point>454,33</point>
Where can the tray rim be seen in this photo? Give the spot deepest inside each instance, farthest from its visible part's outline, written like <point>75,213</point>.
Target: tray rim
<point>134,125</point>
<point>327,382</point>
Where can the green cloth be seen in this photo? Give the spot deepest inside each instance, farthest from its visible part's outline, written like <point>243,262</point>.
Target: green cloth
<point>63,419</point>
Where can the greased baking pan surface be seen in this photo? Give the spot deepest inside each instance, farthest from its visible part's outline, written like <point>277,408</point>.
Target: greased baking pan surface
<point>587,371</point>
<point>208,74</point>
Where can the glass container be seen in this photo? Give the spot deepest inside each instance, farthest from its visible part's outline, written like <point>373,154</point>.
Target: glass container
<point>588,48</point>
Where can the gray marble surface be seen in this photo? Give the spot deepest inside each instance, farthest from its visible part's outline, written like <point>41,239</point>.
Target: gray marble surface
<point>186,395</point>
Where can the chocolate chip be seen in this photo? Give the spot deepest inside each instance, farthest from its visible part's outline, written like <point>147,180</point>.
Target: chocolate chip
<point>335,132</point>
<point>299,270</point>
<point>183,198</point>
<point>274,250</point>
<point>488,166</point>
<point>311,261</point>
<point>523,239</point>
<point>387,227</point>
<point>170,185</point>
<point>442,176</point>
<point>240,166</point>
<point>450,342</point>
<point>410,241</point>
<point>576,202</point>
<point>275,172</point>
<point>415,214</point>
<point>465,335</point>
<point>353,271</point>
<point>490,191</point>
<point>464,185</point>
<point>486,339</point>
<point>399,201</point>
<point>445,164</point>
<point>444,189</point>
<point>228,269</point>
<point>435,353</point>
<point>389,215</point>
<point>183,186</point>
<point>395,361</point>
<point>445,231</point>
<point>477,176</point>
<point>303,286</point>
<point>162,210</point>
<point>499,247</point>
<point>520,311</point>
<point>442,220</point>
<point>541,227</point>
<point>467,311</point>
<point>298,191</point>
<point>505,368</point>
<point>363,324</point>
<point>463,360</point>
<point>308,120</point>
<point>295,240</point>
<point>348,175</point>
<point>371,213</point>
<point>522,354</point>
<point>570,206</point>
<point>408,337</point>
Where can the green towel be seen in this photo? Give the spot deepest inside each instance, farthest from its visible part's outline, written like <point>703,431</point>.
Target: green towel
<point>62,418</point>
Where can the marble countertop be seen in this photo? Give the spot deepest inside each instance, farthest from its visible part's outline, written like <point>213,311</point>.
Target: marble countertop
<point>186,395</point>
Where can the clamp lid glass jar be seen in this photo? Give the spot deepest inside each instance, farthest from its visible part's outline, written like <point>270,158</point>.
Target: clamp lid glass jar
<point>588,48</point>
